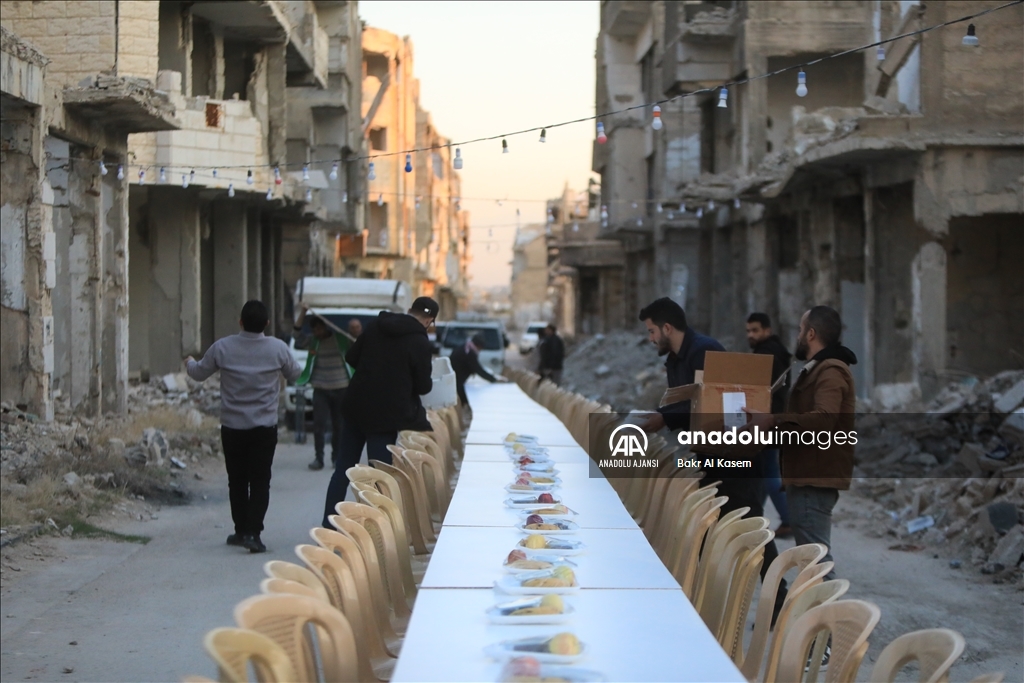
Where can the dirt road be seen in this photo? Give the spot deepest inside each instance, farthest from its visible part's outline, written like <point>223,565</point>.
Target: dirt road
<point>107,611</point>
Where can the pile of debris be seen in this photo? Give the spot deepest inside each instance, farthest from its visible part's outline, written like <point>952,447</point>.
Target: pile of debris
<point>620,369</point>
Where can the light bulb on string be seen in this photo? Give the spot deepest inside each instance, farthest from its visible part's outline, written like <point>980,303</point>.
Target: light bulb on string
<point>457,162</point>
<point>504,146</point>
<point>971,39</point>
<point>270,193</point>
<point>214,173</point>
<point>103,167</point>
<point>231,189</point>
<point>543,135</point>
<point>604,212</point>
<point>142,176</point>
<point>723,98</point>
<point>490,232</point>
<point>408,163</point>
<point>880,53</point>
<point>711,205</point>
<point>551,216</point>
<point>163,174</point>
<point>184,181</point>
<point>309,195</point>
<point>801,84</point>
<point>380,199</point>
<point>120,171</point>
<point>372,174</point>
<point>334,172</point>
<point>305,173</point>
<point>671,215</point>
<point>575,227</point>
<point>277,175</point>
<point>656,123</point>
<point>192,176</point>
<point>417,201</point>
<point>700,212</point>
<point>344,197</point>
<point>659,208</point>
<point>736,203</point>
<point>601,137</point>
<point>639,222</point>
<point>634,205</point>
<point>248,177</point>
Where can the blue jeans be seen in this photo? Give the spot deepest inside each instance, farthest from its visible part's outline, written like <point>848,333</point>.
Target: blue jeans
<point>352,441</point>
<point>811,507</point>
<point>771,478</point>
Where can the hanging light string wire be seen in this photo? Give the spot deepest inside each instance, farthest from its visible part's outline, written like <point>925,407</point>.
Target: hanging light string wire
<point>597,117</point>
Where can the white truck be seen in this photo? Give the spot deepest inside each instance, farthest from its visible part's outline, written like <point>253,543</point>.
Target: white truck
<point>339,300</point>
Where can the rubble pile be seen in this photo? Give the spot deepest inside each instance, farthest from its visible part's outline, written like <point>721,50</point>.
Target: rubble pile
<point>620,368</point>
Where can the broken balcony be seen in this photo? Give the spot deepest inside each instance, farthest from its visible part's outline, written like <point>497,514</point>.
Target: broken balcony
<point>624,20</point>
<point>131,105</point>
<point>699,39</point>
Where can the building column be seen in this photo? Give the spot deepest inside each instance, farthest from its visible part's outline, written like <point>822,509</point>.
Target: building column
<point>230,265</point>
<point>929,316</point>
<point>112,249</point>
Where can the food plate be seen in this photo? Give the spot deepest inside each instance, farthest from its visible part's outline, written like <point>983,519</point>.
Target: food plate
<point>552,512</point>
<point>509,649</point>
<point>546,467</point>
<point>499,614</point>
<point>533,486</point>
<point>552,560</point>
<point>513,585</point>
<point>564,547</point>
<point>529,667</point>
<point>521,502</point>
<point>535,457</point>
<point>520,438</point>
<point>566,526</point>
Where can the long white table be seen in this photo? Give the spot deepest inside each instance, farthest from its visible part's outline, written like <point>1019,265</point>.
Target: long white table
<point>630,613</point>
<point>479,498</point>
<point>614,558</point>
<point>631,635</point>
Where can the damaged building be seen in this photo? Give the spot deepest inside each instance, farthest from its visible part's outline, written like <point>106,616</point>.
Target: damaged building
<point>891,189</point>
<point>163,163</point>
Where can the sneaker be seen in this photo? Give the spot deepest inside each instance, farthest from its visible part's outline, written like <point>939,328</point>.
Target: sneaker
<point>236,539</point>
<point>317,464</point>
<point>254,544</point>
<point>784,531</point>
<point>824,658</point>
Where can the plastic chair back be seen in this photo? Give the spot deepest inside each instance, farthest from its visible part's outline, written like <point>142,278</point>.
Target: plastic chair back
<point>799,600</point>
<point>400,583</point>
<point>935,651</point>
<point>850,623</point>
<point>279,569</point>
<point>233,649</point>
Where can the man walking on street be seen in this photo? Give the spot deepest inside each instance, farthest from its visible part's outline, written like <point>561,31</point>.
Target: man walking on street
<point>327,373</point>
<point>465,362</point>
<point>822,400</point>
<point>552,355</point>
<point>391,363</point>
<point>762,340</point>
<point>250,365</point>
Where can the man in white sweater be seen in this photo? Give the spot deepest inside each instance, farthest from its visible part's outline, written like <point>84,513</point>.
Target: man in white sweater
<point>250,364</point>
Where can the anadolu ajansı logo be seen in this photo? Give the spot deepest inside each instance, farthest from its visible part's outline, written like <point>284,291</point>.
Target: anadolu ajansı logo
<point>628,440</point>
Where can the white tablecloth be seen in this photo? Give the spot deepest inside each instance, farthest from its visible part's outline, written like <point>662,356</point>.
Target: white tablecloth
<point>614,558</point>
<point>631,635</point>
<point>496,453</point>
<point>479,498</point>
<point>547,436</point>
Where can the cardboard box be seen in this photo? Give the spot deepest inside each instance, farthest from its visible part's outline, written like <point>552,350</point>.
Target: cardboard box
<point>729,382</point>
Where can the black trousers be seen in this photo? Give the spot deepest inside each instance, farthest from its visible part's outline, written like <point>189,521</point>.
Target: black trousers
<point>460,389</point>
<point>327,412</point>
<point>352,441</point>
<point>249,455</point>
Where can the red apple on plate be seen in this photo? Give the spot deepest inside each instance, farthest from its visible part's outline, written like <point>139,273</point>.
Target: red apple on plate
<point>545,498</point>
<point>534,519</point>
<point>515,556</point>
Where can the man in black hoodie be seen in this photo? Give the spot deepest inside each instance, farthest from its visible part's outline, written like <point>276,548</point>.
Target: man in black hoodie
<point>763,340</point>
<point>391,362</point>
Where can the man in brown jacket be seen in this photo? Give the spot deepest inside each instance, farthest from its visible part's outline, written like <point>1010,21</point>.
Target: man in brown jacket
<point>815,431</point>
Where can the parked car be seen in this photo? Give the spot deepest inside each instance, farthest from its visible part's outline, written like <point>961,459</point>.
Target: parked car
<point>531,337</point>
<point>492,356</point>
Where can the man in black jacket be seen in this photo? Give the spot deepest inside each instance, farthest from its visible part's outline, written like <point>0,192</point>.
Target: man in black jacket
<point>552,355</point>
<point>465,362</point>
<point>391,362</point>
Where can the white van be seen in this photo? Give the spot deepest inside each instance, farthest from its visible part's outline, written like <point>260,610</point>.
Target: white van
<point>339,300</point>
<point>531,337</point>
<point>455,333</point>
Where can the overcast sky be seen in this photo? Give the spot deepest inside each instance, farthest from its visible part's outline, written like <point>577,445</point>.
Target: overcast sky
<point>487,68</point>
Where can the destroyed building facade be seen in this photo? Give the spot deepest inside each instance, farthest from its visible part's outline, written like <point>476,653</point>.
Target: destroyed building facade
<point>219,127</point>
<point>891,191</point>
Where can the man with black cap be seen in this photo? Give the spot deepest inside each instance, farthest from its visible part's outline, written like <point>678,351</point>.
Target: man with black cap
<point>465,362</point>
<point>391,363</point>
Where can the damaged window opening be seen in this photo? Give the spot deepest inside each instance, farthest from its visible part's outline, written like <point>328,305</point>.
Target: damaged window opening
<point>379,139</point>
<point>239,64</point>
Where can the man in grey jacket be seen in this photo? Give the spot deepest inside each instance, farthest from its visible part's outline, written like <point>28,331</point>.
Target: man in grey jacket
<point>250,364</point>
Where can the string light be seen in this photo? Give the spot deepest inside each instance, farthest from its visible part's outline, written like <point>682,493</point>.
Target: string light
<point>659,208</point>
<point>305,173</point>
<point>971,39</point>
<point>380,199</point>
<point>163,174</point>
<point>344,197</point>
<point>231,189</point>
<point>457,163</point>
<point>214,173</point>
<point>604,213</point>
<point>671,215</point>
<point>634,205</point>
<point>504,146</point>
<point>192,176</point>
<point>103,168</point>
<point>120,171</point>
<point>417,201</point>
<point>309,195</point>
<point>736,203</point>
<point>277,175</point>
<point>184,181</point>
<point>711,205</point>
<point>639,222</point>
<point>270,193</point>
<point>248,178</point>
<point>801,84</point>
<point>551,216</point>
<point>656,118</point>
<point>700,212</point>
<point>601,137</point>
<point>142,176</point>
<point>372,174</point>
<point>723,98</point>
<point>543,135</point>
<point>334,172</point>
<point>408,163</point>
<point>880,53</point>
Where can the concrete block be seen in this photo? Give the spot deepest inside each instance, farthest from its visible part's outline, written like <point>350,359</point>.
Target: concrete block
<point>84,9</point>
<point>1011,399</point>
<point>83,44</point>
<point>94,26</point>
